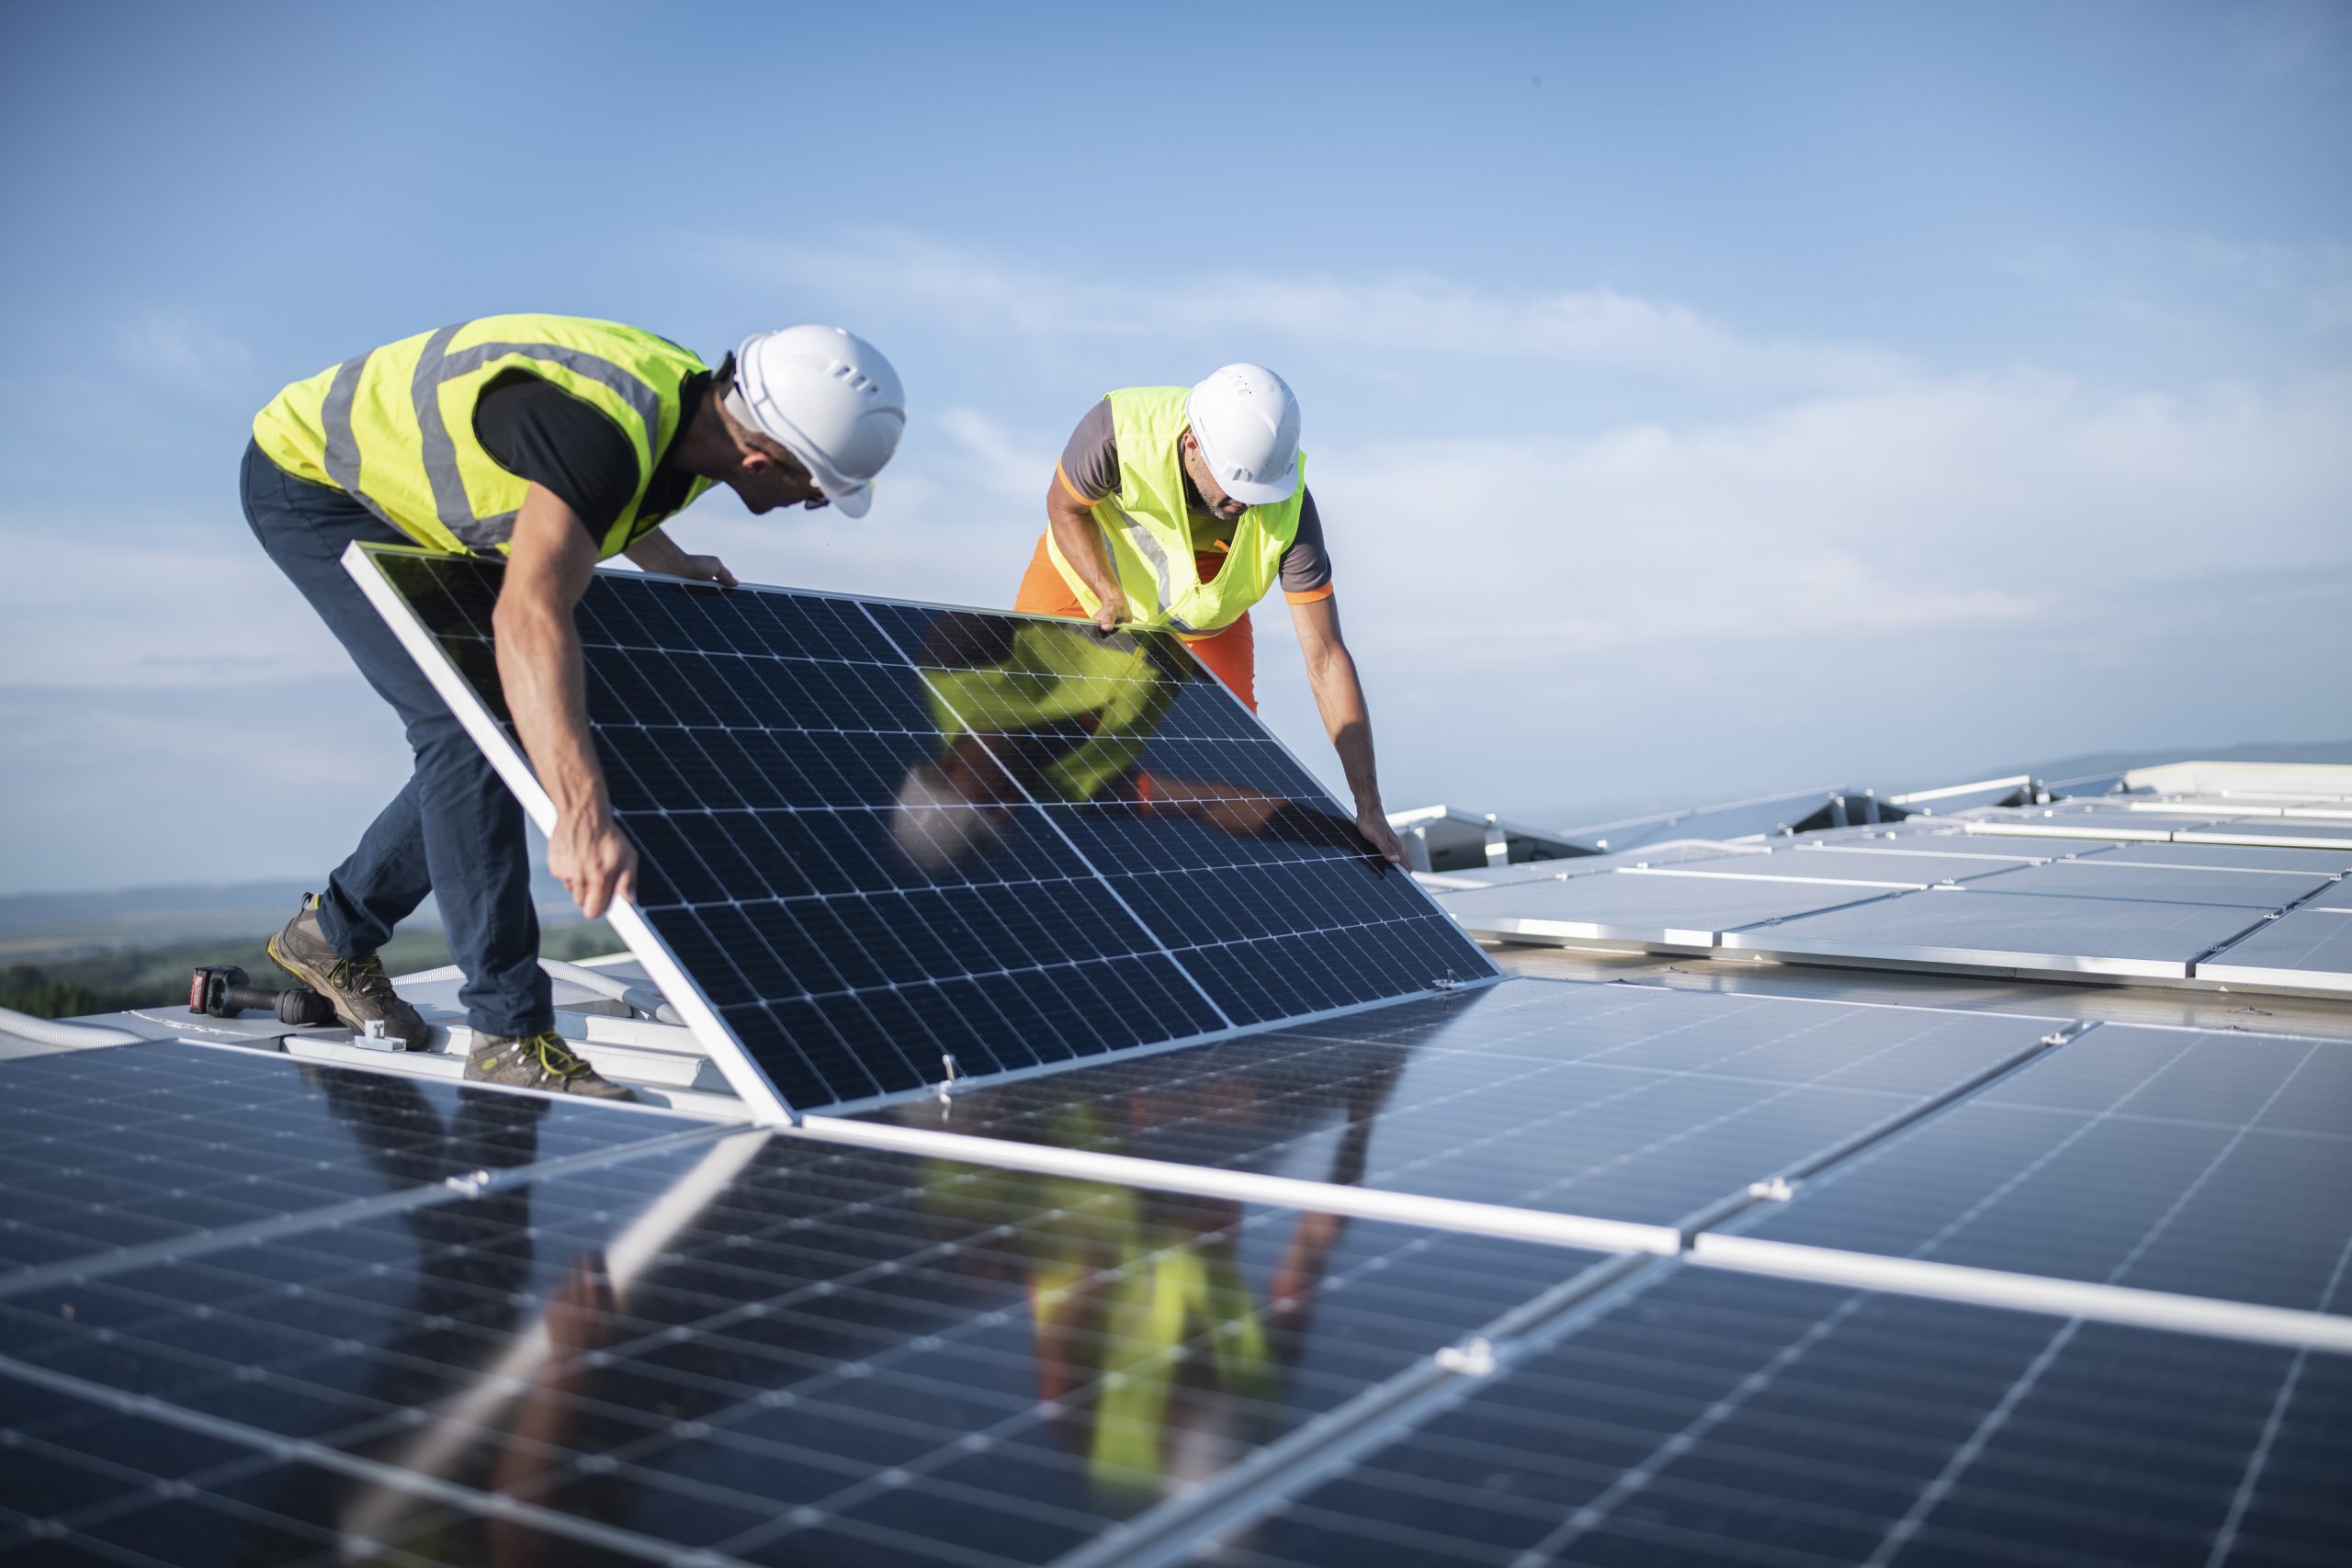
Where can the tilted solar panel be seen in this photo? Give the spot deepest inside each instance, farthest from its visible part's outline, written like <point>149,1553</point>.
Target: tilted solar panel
<point>885,845</point>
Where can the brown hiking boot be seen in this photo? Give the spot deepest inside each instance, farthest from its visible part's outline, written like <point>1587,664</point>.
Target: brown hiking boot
<point>359,987</point>
<point>537,1061</point>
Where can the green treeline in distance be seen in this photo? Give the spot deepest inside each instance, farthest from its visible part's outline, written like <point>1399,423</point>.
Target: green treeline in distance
<point>157,976</point>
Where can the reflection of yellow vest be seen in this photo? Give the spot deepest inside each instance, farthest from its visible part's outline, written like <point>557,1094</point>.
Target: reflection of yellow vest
<point>1160,1288</point>
<point>395,426</point>
<point>1059,674</point>
<point>1150,537</point>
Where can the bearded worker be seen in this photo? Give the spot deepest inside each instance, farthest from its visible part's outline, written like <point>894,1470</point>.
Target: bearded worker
<point>1181,508</point>
<point>553,442</point>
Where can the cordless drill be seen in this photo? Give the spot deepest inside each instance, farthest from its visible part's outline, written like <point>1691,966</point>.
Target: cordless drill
<point>220,991</point>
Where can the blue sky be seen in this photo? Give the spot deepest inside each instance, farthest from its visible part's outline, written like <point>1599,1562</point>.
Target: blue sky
<point>1702,400</point>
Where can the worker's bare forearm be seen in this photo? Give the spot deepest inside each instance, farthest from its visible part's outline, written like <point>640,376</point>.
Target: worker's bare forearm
<point>1347,718</point>
<point>658,552</point>
<point>539,666</point>
<point>1339,697</point>
<point>1081,543</point>
<point>1348,722</point>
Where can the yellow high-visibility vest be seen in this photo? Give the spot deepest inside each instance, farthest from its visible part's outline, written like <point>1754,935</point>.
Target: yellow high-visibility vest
<point>394,427</point>
<point>1149,534</point>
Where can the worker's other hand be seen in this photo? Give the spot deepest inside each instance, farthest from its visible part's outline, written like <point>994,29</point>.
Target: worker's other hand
<point>1106,619</point>
<point>707,568</point>
<point>1374,826</point>
<point>588,854</point>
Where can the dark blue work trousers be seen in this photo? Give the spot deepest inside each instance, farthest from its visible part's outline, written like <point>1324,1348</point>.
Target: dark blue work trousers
<point>453,830</point>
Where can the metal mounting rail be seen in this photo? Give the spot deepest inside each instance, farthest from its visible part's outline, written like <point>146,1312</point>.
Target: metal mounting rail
<point>1360,1202</point>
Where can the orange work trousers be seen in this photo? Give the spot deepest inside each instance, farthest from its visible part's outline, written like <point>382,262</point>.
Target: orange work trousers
<point>1230,654</point>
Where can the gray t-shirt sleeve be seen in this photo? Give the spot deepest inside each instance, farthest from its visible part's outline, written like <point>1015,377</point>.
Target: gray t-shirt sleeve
<point>1306,565</point>
<point>1091,458</point>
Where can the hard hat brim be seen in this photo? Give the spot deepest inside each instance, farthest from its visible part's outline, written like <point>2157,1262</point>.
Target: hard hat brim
<point>1254,494</point>
<point>855,500</point>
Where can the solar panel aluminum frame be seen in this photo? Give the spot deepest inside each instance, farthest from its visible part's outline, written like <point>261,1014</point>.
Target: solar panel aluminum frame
<point>2306,834</point>
<point>728,1053</point>
<point>2060,828</point>
<point>1612,936</point>
<point>2222,969</point>
<point>1787,943</point>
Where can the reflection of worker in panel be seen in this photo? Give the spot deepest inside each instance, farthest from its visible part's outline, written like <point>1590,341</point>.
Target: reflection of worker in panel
<point>1160,1363</point>
<point>1035,710</point>
<point>475,1259</point>
<point>555,442</point>
<point>1181,507</point>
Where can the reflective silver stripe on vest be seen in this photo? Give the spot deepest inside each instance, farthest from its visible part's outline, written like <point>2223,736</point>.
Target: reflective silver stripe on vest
<point>341,457</point>
<point>1147,545</point>
<point>437,364</point>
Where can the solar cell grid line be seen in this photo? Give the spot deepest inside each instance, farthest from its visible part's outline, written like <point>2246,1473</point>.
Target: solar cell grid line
<point>1613,1103</point>
<point>2199,1164</point>
<point>1216,838</point>
<point>118,1149</point>
<point>1708,1420</point>
<point>831,1353</point>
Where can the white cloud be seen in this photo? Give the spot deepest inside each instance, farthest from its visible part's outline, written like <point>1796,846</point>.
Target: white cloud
<point>1966,563</point>
<point>1402,320</point>
<point>101,600</point>
<point>182,352</point>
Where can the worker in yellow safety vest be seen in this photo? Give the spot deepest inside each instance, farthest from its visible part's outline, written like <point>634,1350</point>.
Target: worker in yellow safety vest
<point>1181,507</point>
<point>555,442</point>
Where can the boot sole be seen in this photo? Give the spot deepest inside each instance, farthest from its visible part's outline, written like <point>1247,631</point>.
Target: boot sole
<point>626,1095</point>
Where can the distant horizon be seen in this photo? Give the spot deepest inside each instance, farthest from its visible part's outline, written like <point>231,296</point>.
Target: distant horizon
<point>549,891</point>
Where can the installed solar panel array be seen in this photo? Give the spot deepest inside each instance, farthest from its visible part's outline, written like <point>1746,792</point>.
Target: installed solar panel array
<point>2084,894</point>
<point>1538,1272</point>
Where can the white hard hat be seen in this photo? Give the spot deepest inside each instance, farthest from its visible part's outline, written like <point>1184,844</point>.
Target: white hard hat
<point>830,399</point>
<point>1246,419</point>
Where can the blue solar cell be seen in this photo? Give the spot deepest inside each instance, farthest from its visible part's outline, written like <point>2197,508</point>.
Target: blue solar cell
<point>2208,1164</point>
<point>1735,1420</point>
